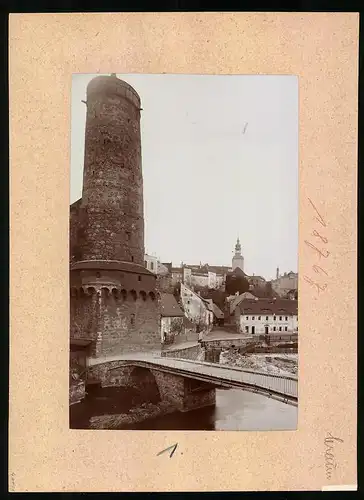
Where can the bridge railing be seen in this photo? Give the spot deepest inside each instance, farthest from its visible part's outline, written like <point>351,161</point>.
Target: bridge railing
<point>277,383</point>
<point>282,384</point>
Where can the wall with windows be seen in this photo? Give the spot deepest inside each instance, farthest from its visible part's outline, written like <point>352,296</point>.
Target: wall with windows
<point>260,324</point>
<point>194,307</point>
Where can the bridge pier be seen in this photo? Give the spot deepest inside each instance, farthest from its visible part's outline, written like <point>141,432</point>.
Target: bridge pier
<point>184,393</point>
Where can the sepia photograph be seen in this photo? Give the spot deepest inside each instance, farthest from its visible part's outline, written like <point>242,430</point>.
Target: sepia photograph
<point>183,252</point>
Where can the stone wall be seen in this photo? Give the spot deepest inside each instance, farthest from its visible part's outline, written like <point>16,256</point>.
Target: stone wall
<point>112,197</point>
<point>199,399</point>
<point>171,388</point>
<point>129,326</point>
<point>116,324</point>
<point>194,353</point>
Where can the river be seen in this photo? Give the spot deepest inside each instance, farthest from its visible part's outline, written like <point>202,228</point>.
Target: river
<point>235,410</point>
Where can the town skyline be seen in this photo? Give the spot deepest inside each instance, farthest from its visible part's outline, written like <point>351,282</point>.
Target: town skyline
<point>255,123</point>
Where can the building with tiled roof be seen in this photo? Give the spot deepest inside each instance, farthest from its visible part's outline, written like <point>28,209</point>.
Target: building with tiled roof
<point>169,306</point>
<point>267,316</point>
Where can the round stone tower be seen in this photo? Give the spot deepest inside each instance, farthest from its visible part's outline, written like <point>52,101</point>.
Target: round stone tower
<point>112,197</point>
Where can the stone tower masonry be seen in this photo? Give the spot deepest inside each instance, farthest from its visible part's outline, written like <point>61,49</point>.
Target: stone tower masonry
<point>112,197</point>
<point>114,303</point>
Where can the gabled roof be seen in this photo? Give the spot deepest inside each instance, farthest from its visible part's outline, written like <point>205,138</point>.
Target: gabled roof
<point>218,312</point>
<point>269,306</point>
<point>238,272</point>
<point>237,300</point>
<point>169,306</point>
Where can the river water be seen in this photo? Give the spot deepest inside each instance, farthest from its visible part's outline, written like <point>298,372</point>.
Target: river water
<point>235,410</point>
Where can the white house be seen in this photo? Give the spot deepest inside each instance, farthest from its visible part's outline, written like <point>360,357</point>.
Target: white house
<point>196,308</point>
<point>267,316</point>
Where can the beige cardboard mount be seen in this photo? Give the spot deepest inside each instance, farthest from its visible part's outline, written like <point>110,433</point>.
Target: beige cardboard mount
<point>45,50</point>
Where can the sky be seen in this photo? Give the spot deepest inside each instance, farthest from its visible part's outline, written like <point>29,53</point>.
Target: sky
<point>219,160</point>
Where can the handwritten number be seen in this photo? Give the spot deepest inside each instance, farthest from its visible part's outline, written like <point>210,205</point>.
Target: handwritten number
<point>173,448</point>
<point>320,252</point>
<point>319,269</point>
<point>318,235</point>
<point>317,285</point>
<point>319,218</point>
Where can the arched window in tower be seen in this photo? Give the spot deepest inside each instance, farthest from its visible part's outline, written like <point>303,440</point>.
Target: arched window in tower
<point>132,319</point>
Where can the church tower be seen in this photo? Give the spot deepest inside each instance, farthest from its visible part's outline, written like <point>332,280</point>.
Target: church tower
<point>238,259</point>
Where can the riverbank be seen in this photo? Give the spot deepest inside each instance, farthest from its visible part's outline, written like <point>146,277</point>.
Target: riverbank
<point>275,364</point>
<point>134,416</point>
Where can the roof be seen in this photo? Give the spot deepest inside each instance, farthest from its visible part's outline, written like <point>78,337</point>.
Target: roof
<point>211,306</point>
<point>169,306</point>
<point>237,272</point>
<point>176,269</point>
<point>219,269</point>
<point>205,268</point>
<point>217,311</point>
<point>269,306</point>
<point>199,273</point>
<point>111,265</point>
<point>238,299</point>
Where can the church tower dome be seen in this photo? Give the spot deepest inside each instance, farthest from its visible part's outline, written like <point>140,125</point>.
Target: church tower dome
<point>238,259</point>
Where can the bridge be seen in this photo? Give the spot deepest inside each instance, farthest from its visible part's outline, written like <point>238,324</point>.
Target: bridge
<point>188,383</point>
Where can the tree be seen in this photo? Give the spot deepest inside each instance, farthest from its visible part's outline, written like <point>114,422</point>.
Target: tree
<point>236,283</point>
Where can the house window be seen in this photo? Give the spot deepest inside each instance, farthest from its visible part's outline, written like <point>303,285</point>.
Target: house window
<point>274,328</point>
<point>132,258</point>
<point>285,328</point>
<point>259,317</point>
<point>132,319</point>
<point>139,278</point>
<point>286,318</point>
<point>267,318</point>
<point>253,318</point>
<point>247,317</point>
<point>145,263</point>
<point>152,265</point>
<point>247,329</point>
<point>280,328</point>
<point>280,318</point>
<point>274,318</point>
